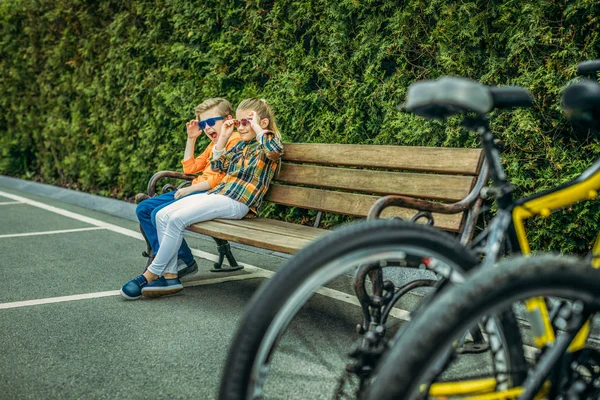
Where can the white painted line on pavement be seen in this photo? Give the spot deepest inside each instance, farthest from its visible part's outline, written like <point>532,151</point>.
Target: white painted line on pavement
<point>6,203</point>
<point>96,222</point>
<point>37,302</point>
<point>78,217</point>
<point>95,228</point>
<point>75,297</point>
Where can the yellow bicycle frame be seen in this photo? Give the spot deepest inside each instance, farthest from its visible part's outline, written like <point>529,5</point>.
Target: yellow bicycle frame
<point>544,205</point>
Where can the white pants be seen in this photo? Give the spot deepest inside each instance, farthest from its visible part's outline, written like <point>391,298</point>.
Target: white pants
<point>172,220</point>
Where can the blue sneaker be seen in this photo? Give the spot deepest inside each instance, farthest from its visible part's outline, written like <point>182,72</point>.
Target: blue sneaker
<point>185,268</point>
<point>162,287</point>
<point>132,290</point>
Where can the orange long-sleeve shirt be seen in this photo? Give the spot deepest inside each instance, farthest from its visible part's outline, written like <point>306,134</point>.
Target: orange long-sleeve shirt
<point>202,163</point>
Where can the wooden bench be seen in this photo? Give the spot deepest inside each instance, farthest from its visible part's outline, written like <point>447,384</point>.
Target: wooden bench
<point>354,180</point>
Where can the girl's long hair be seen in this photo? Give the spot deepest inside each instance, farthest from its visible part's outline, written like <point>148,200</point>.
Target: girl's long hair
<point>263,109</point>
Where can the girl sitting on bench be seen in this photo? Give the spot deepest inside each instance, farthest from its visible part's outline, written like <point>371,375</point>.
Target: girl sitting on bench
<point>250,166</point>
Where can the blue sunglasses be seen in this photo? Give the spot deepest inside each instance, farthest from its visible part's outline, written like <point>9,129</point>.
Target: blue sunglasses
<point>209,122</point>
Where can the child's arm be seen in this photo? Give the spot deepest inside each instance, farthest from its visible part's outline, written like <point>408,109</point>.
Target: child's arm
<point>193,131</point>
<point>201,186</point>
<point>270,143</point>
<point>221,158</point>
<point>193,165</point>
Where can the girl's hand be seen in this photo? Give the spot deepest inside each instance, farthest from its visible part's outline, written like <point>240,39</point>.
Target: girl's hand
<point>193,130</point>
<point>226,130</point>
<point>255,122</point>
<point>182,192</point>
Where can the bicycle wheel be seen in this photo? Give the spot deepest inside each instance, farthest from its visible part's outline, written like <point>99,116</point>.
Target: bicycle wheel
<point>423,364</point>
<point>294,338</point>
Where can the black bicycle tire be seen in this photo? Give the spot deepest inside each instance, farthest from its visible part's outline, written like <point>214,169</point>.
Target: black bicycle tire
<point>266,302</point>
<point>402,366</point>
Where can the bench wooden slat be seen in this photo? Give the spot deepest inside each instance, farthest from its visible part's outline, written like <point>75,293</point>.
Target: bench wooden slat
<point>274,226</point>
<point>411,158</point>
<point>249,236</point>
<point>429,186</point>
<point>347,204</point>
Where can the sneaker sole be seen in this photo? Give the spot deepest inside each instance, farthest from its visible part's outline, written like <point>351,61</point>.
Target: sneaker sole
<point>156,292</point>
<point>129,297</point>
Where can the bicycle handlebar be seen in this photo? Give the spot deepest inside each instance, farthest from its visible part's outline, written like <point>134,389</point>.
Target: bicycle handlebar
<point>582,96</point>
<point>511,96</point>
<point>588,67</point>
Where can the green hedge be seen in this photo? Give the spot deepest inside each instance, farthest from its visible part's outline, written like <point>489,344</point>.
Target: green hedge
<point>94,95</point>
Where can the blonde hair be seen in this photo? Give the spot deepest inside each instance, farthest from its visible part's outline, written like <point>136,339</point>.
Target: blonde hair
<point>263,109</point>
<point>222,106</point>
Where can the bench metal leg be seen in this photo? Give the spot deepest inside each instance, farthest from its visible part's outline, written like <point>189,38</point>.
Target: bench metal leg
<point>225,251</point>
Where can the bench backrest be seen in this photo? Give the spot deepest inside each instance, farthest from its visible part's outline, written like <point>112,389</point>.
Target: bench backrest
<point>348,179</point>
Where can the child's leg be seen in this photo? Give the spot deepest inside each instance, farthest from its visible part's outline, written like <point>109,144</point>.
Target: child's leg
<point>173,219</point>
<point>145,211</point>
<point>185,253</point>
<point>133,289</point>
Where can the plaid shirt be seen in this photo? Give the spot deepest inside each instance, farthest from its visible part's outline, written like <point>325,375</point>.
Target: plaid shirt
<point>202,163</point>
<point>250,167</point>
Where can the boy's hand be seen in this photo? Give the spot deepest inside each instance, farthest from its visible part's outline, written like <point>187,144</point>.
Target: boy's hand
<point>182,192</point>
<point>255,122</point>
<point>193,130</point>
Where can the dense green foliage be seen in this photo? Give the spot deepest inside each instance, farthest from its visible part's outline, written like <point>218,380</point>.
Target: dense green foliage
<point>95,95</point>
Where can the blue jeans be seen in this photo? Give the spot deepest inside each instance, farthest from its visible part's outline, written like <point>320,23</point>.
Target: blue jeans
<point>146,213</point>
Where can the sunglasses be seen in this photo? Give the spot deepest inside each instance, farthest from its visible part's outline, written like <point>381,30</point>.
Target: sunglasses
<point>242,122</point>
<point>209,122</point>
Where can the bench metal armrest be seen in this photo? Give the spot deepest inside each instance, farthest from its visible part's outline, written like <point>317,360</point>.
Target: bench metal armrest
<point>431,206</point>
<point>166,174</point>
